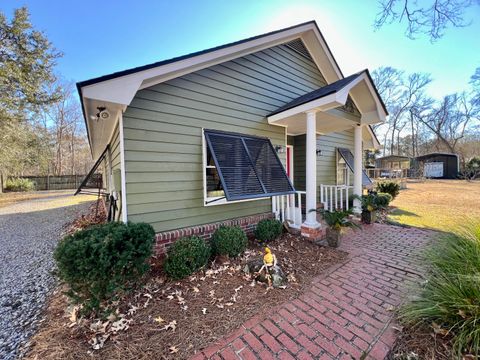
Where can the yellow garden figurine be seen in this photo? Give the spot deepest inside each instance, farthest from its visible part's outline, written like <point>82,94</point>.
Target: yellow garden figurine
<point>269,262</point>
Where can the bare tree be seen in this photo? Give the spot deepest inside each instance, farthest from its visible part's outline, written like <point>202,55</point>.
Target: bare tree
<point>449,120</point>
<point>400,93</point>
<point>64,122</point>
<point>432,19</point>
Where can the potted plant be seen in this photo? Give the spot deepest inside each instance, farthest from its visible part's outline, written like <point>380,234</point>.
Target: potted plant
<point>337,221</point>
<point>372,202</point>
<point>369,208</point>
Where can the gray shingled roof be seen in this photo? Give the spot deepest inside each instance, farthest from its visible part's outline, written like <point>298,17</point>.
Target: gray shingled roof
<point>319,93</point>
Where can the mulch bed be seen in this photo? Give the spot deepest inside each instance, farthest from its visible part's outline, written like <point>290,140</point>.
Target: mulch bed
<point>174,319</point>
<point>421,343</point>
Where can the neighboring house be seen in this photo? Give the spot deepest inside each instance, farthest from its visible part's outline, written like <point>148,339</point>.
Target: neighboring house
<point>438,165</point>
<point>391,166</point>
<point>233,134</point>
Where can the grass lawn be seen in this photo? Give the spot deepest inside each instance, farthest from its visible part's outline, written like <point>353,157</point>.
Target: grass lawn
<point>437,204</point>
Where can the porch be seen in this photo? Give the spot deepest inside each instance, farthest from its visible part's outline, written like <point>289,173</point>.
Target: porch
<point>349,105</point>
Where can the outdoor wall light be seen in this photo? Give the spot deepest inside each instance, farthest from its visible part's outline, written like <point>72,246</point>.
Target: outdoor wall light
<point>319,152</point>
<point>280,149</point>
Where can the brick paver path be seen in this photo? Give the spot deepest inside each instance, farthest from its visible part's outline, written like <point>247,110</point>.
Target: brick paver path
<point>348,311</point>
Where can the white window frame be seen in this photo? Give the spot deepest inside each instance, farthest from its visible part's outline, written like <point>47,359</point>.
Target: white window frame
<point>207,201</point>
<point>346,170</point>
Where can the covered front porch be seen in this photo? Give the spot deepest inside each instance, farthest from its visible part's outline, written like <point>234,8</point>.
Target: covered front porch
<point>346,108</point>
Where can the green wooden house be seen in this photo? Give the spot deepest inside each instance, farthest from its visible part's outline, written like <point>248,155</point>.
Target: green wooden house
<point>266,126</point>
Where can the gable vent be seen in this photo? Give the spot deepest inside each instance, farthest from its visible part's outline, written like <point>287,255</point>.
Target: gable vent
<point>298,46</point>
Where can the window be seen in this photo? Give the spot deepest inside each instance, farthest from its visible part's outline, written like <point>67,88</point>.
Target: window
<point>347,157</point>
<point>342,171</point>
<point>241,167</point>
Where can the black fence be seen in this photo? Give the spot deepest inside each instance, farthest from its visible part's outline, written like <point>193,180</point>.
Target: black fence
<point>64,182</point>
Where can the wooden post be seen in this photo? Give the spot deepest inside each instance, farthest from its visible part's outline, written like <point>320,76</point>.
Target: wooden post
<point>1,183</point>
<point>48,181</point>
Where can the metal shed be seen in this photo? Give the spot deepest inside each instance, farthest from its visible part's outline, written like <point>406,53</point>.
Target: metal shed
<point>439,165</point>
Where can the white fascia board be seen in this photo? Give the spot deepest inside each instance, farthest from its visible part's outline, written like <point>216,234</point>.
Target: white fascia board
<point>376,144</point>
<point>121,90</point>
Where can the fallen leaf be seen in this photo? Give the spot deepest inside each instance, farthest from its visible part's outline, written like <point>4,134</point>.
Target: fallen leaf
<point>171,325</point>
<point>204,311</point>
<point>437,329</point>
<point>196,289</point>
<point>159,320</point>
<point>173,350</point>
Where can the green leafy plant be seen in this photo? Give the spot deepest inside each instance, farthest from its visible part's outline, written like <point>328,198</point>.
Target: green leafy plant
<point>186,256</point>
<point>268,230</point>
<point>19,184</point>
<point>374,201</point>
<point>99,262</point>
<point>449,301</point>
<point>229,240</point>
<point>383,200</point>
<point>337,220</point>
<point>389,187</point>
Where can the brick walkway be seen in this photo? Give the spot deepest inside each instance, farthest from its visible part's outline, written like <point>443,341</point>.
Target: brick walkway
<point>346,314</point>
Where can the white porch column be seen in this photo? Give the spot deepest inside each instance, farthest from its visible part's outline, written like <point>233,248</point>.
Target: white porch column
<point>311,172</point>
<point>357,168</point>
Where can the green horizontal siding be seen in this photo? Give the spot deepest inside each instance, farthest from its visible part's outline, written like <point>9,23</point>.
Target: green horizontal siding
<point>163,132</point>
<point>326,163</point>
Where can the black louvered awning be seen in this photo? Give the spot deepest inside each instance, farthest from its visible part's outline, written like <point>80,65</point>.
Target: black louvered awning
<point>349,160</point>
<point>248,166</point>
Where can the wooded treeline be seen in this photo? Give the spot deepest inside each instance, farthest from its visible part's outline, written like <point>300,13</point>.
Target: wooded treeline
<point>418,124</point>
<point>41,127</point>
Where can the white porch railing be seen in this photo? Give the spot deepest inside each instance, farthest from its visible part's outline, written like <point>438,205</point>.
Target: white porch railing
<point>335,197</point>
<point>289,207</point>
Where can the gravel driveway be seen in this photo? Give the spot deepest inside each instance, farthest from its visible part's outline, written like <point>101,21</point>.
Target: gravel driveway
<point>29,231</point>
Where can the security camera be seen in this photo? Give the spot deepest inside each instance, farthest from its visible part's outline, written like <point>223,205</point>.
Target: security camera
<point>104,114</point>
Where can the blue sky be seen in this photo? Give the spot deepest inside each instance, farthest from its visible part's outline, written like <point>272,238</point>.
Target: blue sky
<point>100,37</point>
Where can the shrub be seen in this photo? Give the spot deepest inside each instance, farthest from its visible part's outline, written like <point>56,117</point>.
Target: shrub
<point>389,187</point>
<point>102,260</point>
<point>450,298</point>
<point>229,240</point>
<point>186,256</point>
<point>19,184</point>
<point>268,229</point>
<point>382,200</point>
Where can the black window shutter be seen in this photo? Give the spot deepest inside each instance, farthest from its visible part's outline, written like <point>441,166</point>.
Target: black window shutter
<point>248,166</point>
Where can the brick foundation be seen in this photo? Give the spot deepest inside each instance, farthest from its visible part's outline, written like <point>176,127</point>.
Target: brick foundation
<point>314,234</point>
<point>165,239</point>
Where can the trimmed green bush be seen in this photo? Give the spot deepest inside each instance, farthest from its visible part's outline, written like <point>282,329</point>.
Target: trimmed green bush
<point>229,240</point>
<point>450,298</point>
<point>268,230</point>
<point>382,200</point>
<point>19,184</point>
<point>186,256</point>
<point>99,262</point>
<point>389,187</point>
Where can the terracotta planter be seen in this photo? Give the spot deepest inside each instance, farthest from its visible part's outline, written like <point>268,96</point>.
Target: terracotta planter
<point>333,237</point>
<point>369,217</point>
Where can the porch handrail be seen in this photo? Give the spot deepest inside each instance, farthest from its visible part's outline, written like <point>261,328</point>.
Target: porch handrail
<point>289,207</point>
<point>335,197</point>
